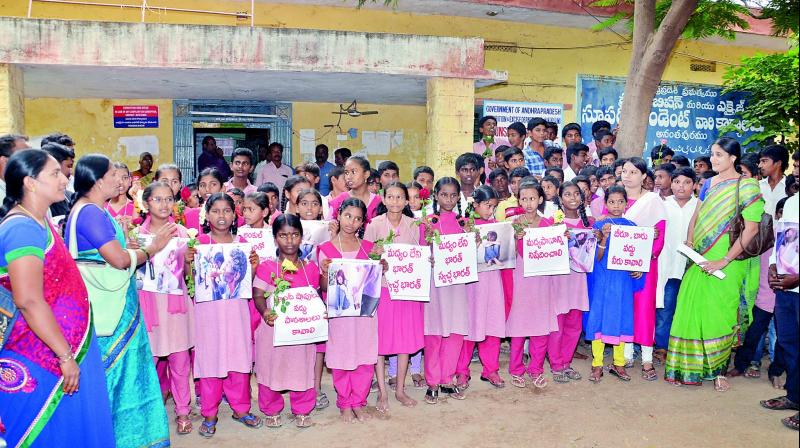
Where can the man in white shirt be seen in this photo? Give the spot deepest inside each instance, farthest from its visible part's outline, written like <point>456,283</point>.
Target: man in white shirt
<point>577,156</point>
<point>787,302</point>
<point>680,208</point>
<point>772,163</point>
<point>274,171</point>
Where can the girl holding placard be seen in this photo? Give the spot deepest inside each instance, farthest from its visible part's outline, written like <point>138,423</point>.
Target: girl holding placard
<point>532,314</point>
<point>570,290</point>
<point>446,321</point>
<point>352,348</point>
<point>610,319</point>
<point>400,323</point>
<point>169,318</point>
<point>288,367</point>
<point>223,341</point>
<point>356,174</point>
<point>486,311</point>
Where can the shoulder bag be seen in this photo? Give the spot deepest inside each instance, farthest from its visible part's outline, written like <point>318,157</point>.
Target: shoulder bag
<point>762,241</point>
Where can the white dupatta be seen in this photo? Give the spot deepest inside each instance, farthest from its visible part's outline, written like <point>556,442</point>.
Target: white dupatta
<point>647,211</point>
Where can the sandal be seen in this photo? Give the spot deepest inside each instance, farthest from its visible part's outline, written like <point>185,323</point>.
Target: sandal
<point>792,422</point>
<point>208,428</point>
<point>518,381</point>
<point>776,382</point>
<point>495,380</point>
<point>780,404</point>
<point>622,375</point>
<point>597,374</point>
<point>453,392</point>
<point>659,357</point>
<point>462,381</point>
<point>629,363</point>
<point>649,374</point>
<point>539,381</point>
<point>721,384</point>
<point>322,401</point>
<point>733,373</point>
<point>184,424</point>
<point>249,420</point>
<point>273,421</point>
<point>303,421</point>
<point>560,377</point>
<point>392,382</point>
<point>572,374</point>
<point>419,381</point>
<point>753,372</point>
<point>432,395</point>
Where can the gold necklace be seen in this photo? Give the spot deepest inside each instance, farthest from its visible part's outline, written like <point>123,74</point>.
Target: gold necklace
<point>27,212</point>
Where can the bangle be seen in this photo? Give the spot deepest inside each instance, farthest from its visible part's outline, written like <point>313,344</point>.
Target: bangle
<point>146,253</point>
<point>601,246</point>
<point>66,357</point>
<point>726,258</point>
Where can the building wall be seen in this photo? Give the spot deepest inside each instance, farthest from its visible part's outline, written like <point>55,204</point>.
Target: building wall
<point>534,74</point>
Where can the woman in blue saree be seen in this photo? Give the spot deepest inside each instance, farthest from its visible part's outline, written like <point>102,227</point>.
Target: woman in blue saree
<point>52,384</point>
<point>137,409</point>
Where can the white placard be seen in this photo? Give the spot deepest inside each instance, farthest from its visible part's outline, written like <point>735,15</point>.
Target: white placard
<point>582,249</point>
<point>498,248</point>
<point>409,273</point>
<point>630,248</point>
<point>222,272</point>
<point>545,251</point>
<point>455,260</point>
<point>304,320</point>
<point>262,241</point>
<point>135,146</point>
<point>786,245</point>
<point>354,287</point>
<point>164,273</point>
<point>314,234</point>
<point>693,255</point>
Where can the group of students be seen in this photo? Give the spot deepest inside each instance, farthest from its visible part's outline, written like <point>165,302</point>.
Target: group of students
<point>221,343</point>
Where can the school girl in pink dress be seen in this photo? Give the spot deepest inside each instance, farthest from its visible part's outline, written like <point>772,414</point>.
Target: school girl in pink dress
<point>209,181</point>
<point>446,321</point>
<point>486,312</point>
<point>121,207</point>
<point>532,315</point>
<point>223,340</point>
<point>352,347</point>
<point>286,368</point>
<point>400,323</point>
<point>356,174</point>
<point>570,290</point>
<point>169,318</point>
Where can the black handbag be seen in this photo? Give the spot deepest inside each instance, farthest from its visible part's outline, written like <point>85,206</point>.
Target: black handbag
<point>763,240</point>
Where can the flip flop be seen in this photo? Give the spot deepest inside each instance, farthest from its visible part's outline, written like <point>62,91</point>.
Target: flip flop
<point>208,429</point>
<point>249,420</point>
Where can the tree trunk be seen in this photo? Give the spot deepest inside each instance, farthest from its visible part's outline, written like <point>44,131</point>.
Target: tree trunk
<point>649,57</point>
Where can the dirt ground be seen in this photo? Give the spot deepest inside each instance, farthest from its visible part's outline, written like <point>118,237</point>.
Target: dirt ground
<point>577,414</point>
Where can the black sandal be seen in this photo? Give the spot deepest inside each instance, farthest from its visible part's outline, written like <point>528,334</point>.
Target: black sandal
<point>780,404</point>
<point>453,392</point>
<point>432,395</point>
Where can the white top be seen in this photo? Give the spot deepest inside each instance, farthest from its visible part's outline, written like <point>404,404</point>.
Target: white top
<point>569,174</point>
<point>791,210</point>
<point>671,263</point>
<point>271,173</point>
<point>772,196</point>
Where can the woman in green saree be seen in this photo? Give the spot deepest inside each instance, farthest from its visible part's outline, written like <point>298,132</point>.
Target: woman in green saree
<point>706,317</point>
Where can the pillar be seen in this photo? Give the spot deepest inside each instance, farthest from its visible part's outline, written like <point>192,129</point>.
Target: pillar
<point>12,100</point>
<point>451,113</point>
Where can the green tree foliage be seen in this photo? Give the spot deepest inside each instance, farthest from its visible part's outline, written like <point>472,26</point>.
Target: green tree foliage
<point>392,3</point>
<point>785,15</point>
<point>771,80</point>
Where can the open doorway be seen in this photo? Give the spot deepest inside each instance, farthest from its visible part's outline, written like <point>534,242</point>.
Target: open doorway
<point>234,124</point>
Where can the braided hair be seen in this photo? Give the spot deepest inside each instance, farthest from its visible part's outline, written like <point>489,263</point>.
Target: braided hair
<point>480,194</point>
<point>438,187</point>
<point>581,207</point>
<point>359,204</point>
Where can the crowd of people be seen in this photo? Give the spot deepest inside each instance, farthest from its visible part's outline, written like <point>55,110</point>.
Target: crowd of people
<point>88,352</point>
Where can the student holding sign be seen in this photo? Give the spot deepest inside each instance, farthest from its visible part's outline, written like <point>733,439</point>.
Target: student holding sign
<point>646,209</point>
<point>486,311</point>
<point>610,319</point>
<point>532,314</point>
<point>446,314</point>
<point>169,318</point>
<point>570,290</point>
<point>400,322</point>
<point>291,367</point>
<point>223,356</point>
<point>352,348</point>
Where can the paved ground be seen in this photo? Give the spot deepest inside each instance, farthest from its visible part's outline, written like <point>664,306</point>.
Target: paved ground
<point>578,414</point>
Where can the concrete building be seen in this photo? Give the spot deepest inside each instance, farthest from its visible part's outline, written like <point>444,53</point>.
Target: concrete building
<point>250,71</point>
